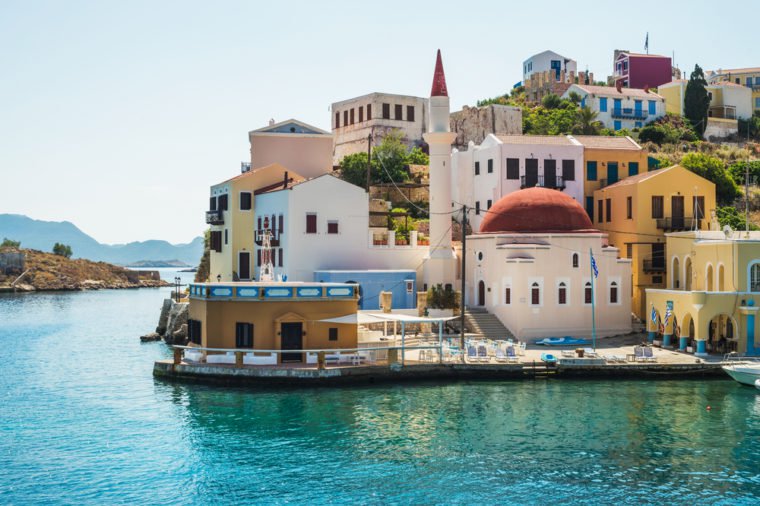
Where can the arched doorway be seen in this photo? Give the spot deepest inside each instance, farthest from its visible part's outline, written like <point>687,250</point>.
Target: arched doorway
<point>723,334</point>
<point>709,278</point>
<point>481,293</point>
<point>686,333</point>
<point>676,274</point>
<point>687,275</point>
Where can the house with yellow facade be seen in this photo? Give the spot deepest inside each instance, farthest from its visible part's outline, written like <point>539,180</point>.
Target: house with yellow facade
<point>748,77</point>
<point>712,294</point>
<point>638,211</point>
<point>231,219</point>
<point>271,317</point>
<point>729,102</point>
<point>606,161</point>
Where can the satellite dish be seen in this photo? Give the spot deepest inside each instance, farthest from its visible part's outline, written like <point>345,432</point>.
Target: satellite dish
<point>728,231</point>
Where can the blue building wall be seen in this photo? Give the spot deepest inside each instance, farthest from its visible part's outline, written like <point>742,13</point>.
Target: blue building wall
<point>371,283</point>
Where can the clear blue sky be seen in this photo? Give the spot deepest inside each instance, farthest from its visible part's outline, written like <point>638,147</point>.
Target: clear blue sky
<point>117,116</point>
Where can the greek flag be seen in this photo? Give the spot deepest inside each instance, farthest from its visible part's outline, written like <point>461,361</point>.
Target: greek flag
<point>593,266</point>
<point>653,315</point>
<point>667,317</point>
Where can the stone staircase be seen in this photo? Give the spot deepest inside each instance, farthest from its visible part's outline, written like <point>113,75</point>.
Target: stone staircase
<point>481,322</point>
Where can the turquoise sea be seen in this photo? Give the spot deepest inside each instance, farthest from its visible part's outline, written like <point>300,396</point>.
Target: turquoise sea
<point>82,421</point>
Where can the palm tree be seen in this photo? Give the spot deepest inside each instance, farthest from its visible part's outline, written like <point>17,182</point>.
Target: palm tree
<point>586,122</point>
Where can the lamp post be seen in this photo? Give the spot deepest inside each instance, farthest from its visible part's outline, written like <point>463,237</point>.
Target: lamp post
<point>177,281</point>
<point>218,278</point>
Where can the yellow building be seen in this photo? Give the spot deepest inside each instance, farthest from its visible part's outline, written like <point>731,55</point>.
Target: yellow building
<point>231,217</point>
<point>607,160</point>
<point>272,316</point>
<point>748,77</point>
<point>713,293</point>
<point>638,211</point>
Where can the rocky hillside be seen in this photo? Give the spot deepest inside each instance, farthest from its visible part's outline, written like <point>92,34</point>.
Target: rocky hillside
<point>46,271</point>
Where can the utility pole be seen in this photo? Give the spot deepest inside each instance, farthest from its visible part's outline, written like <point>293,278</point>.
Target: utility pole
<point>464,265</point>
<point>369,158</point>
<point>746,190</point>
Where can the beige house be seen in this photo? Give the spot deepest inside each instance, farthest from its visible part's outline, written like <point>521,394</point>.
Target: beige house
<point>638,211</point>
<point>231,219</point>
<point>303,148</point>
<point>712,295</point>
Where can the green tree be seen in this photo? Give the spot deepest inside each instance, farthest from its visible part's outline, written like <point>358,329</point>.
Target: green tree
<point>9,243</point>
<point>63,250</point>
<point>586,122</point>
<point>551,101</point>
<point>439,297</point>
<point>730,216</point>
<point>389,159</point>
<point>574,97</point>
<point>696,101</point>
<point>738,171</point>
<point>713,169</point>
<point>353,168</point>
<point>417,157</point>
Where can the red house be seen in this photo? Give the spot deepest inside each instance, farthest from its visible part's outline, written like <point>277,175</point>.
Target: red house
<point>635,70</point>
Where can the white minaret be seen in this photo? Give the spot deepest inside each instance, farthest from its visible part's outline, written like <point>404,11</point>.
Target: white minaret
<point>440,264</point>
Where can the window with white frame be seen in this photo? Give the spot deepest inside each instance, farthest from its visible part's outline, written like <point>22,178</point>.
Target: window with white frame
<point>562,293</point>
<point>613,293</point>
<point>587,293</point>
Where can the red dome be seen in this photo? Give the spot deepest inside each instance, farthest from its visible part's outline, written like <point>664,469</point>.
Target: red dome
<point>535,210</point>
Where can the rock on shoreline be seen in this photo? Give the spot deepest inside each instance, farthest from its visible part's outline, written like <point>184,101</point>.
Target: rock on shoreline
<point>172,323</point>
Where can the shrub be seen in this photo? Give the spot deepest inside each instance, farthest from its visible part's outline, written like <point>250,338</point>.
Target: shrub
<point>63,250</point>
<point>439,297</point>
<point>713,169</point>
<point>9,243</point>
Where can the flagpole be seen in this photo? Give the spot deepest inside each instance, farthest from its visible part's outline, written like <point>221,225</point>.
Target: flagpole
<point>593,311</point>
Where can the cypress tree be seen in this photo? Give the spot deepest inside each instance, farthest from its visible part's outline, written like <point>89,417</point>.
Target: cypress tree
<point>696,101</point>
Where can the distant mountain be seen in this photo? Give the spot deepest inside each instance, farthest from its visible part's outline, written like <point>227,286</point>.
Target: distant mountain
<point>42,235</point>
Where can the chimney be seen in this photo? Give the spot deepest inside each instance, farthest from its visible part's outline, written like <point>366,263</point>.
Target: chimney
<point>285,180</point>
<point>271,121</point>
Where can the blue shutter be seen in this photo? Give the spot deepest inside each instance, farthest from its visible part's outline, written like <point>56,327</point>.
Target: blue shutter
<point>652,107</point>
<point>590,207</point>
<point>602,104</point>
<point>617,125</point>
<point>591,171</point>
<point>612,172</point>
<point>633,168</point>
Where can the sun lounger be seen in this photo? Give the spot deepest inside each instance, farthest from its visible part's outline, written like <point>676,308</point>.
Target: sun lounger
<point>590,353</point>
<point>193,355</point>
<point>483,353</point>
<point>521,348</point>
<point>511,355</point>
<point>472,354</point>
<point>649,355</point>
<point>568,354</point>
<point>500,355</point>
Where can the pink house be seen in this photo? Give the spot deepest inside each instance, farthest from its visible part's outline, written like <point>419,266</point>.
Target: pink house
<point>635,70</point>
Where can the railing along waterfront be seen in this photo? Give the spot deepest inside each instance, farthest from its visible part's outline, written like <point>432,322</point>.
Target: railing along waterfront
<point>371,355</point>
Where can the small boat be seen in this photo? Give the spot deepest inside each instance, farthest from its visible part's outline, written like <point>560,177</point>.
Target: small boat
<point>757,384</point>
<point>744,373</point>
<point>548,358</point>
<point>561,341</point>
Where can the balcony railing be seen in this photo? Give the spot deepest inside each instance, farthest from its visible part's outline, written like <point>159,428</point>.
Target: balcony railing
<point>214,217</point>
<point>558,182</point>
<point>678,223</point>
<point>628,113</point>
<point>654,266</point>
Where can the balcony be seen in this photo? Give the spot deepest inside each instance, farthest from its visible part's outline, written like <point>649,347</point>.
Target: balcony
<point>629,113</point>
<point>676,224</point>
<point>654,266</point>
<point>274,241</point>
<point>214,217</point>
<point>529,182</point>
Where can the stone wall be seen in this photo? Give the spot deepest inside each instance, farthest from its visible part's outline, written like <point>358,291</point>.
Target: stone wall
<point>475,123</point>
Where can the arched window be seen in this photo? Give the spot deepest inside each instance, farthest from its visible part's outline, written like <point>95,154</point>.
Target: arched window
<point>587,293</point>
<point>754,278</point>
<point>562,293</point>
<point>613,293</point>
<point>575,260</point>
<point>508,295</point>
<point>721,278</point>
<point>709,278</point>
<point>535,294</point>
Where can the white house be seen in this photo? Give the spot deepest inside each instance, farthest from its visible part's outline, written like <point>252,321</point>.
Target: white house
<point>503,164</point>
<point>619,107</point>
<point>548,61</point>
<point>530,266</point>
<point>323,224</point>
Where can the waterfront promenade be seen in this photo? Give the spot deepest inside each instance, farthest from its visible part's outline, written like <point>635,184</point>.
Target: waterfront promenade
<point>421,360</point>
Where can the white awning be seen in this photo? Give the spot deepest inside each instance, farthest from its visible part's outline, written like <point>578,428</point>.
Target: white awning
<point>355,318</point>
<point>411,319</point>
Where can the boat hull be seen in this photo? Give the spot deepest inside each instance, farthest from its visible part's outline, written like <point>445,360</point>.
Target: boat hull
<point>746,375</point>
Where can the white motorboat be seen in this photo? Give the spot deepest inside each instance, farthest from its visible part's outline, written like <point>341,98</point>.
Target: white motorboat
<point>745,373</point>
<point>757,384</point>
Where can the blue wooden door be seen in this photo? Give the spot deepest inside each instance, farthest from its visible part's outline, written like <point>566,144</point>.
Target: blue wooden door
<point>612,173</point>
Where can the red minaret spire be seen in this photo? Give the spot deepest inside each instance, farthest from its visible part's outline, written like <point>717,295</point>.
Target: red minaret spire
<point>439,79</point>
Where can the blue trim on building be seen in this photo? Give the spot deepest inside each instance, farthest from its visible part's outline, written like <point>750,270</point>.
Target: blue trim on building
<point>309,291</point>
<point>278,292</point>
<point>245,292</point>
